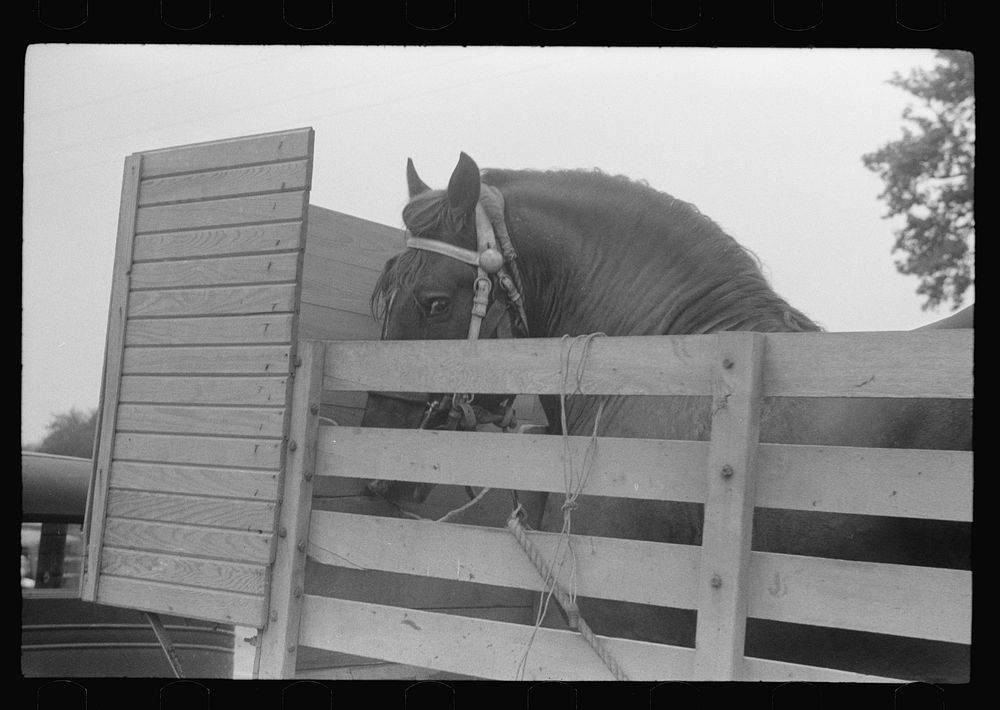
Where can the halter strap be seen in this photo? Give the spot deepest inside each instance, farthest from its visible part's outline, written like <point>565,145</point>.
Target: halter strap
<point>464,255</point>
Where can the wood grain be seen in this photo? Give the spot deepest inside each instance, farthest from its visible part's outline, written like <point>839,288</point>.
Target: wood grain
<point>104,436</point>
<point>224,241</point>
<point>217,421</point>
<point>238,391</point>
<point>929,363</point>
<point>245,150</point>
<point>627,570</point>
<point>322,323</point>
<point>217,271</point>
<point>270,177</point>
<point>486,649</point>
<point>249,516</point>
<point>919,602</point>
<point>189,540</point>
<point>277,648</point>
<point>195,480</point>
<point>192,571</point>
<point>188,602</point>
<point>273,207</point>
<point>221,330</point>
<point>638,365</point>
<point>215,301</point>
<point>237,359</point>
<point>934,363</point>
<point>351,240</point>
<point>909,483</point>
<point>729,503</point>
<point>200,450</point>
<point>632,468</point>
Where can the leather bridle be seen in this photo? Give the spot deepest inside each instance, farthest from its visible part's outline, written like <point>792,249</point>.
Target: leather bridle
<point>496,273</point>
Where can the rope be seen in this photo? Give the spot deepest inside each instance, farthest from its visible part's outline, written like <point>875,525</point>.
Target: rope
<point>573,486</point>
<point>563,597</point>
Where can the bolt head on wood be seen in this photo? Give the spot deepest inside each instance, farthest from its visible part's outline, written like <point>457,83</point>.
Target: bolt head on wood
<point>314,408</point>
<point>727,471</point>
<point>727,363</point>
<point>292,445</point>
<point>291,648</point>
<point>301,546</point>
<point>282,532</point>
<point>716,581</point>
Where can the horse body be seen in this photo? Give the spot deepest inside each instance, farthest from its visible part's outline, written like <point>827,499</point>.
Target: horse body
<point>604,254</point>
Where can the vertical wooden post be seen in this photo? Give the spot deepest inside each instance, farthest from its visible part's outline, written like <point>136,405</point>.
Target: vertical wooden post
<point>278,642</point>
<point>97,491</point>
<point>725,556</point>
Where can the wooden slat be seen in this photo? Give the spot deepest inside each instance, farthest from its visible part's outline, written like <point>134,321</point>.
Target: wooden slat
<point>232,300</point>
<point>627,570</point>
<point>266,147</point>
<point>222,330</point>
<point>202,450</point>
<point>919,602</point>
<point>189,540</point>
<point>934,363</point>
<point>216,271</point>
<point>767,671</point>
<point>110,379</point>
<point>630,468</point>
<point>351,240</point>
<point>195,480</point>
<point>251,516</point>
<point>207,360</point>
<point>486,649</point>
<point>321,323</point>
<point>273,207</point>
<point>193,571</point>
<point>279,236</point>
<point>270,177</point>
<point>728,527</point>
<point>219,421</point>
<point>238,391</point>
<point>653,365</point>
<point>188,602</point>
<point>899,482</point>
<point>928,363</point>
<point>345,399</point>
<point>333,284</point>
<point>277,648</point>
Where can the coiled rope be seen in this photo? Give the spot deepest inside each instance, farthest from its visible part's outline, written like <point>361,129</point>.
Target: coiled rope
<point>574,481</point>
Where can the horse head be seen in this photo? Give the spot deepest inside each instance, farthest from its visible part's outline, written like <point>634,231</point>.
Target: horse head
<point>450,284</point>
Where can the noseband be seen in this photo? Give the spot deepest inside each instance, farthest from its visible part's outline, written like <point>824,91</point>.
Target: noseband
<point>496,272</point>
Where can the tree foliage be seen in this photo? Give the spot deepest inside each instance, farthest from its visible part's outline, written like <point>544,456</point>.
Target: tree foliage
<point>929,179</point>
<point>70,434</point>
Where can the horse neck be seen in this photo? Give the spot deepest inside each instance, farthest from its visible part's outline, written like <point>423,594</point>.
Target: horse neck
<point>578,280</point>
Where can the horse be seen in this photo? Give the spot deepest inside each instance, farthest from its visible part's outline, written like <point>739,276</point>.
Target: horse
<point>599,253</point>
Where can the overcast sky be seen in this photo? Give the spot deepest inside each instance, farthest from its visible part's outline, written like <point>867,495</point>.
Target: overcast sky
<point>766,142</point>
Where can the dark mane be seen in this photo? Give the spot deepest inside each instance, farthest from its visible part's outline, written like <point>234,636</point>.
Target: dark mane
<point>703,280</point>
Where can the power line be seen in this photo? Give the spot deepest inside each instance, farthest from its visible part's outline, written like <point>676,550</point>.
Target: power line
<point>153,87</point>
<point>349,109</point>
<point>248,107</point>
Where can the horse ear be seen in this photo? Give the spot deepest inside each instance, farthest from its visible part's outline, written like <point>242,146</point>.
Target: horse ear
<point>463,188</point>
<point>413,181</point>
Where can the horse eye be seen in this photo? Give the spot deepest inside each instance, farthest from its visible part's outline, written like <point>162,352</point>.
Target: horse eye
<point>437,306</point>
